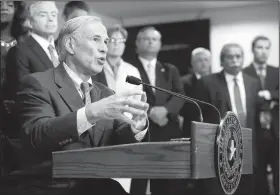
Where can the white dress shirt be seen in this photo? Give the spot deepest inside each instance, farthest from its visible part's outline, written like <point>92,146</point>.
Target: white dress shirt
<point>150,68</point>
<point>230,85</point>
<point>45,44</point>
<point>82,123</point>
<point>119,85</point>
<point>198,76</point>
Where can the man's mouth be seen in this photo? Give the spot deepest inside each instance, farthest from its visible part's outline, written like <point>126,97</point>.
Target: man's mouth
<point>102,60</point>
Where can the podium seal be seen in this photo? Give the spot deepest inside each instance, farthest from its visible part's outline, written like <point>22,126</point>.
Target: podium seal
<point>229,153</point>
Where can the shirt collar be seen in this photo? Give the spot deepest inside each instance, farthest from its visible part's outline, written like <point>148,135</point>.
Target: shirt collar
<point>42,41</point>
<point>229,77</point>
<point>146,62</point>
<point>198,76</point>
<point>258,68</point>
<point>75,78</point>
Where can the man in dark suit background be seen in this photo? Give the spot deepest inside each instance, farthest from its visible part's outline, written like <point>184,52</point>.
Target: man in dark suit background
<point>230,90</point>
<point>201,66</point>
<point>164,108</point>
<point>37,53</point>
<point>267,130</point>
<point>74,9</point>
<point>62,109</point>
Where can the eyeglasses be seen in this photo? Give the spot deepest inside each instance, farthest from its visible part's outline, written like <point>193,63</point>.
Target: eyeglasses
<point>117,41</point>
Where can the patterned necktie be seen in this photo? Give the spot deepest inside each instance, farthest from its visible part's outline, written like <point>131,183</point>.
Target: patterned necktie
<point>54,58</point>
<point>238,103</point>
<point>86,92</point>
<point>85,88</point>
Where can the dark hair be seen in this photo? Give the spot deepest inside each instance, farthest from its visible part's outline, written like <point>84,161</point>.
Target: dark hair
<point>225,50</point>
<point>72,5</point>
<point>256,39</point>
<point>17,28</point>
<point>117,28</point>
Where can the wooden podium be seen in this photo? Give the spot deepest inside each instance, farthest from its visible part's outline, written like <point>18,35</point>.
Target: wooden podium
<point>193,159</point>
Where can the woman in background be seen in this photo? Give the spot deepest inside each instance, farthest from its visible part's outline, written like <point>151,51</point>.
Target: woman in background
<point>13,16</point>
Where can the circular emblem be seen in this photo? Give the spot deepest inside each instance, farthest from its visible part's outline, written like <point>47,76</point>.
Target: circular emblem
<point>229,153</point>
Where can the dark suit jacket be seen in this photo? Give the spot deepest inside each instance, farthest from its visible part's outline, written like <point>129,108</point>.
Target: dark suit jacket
<point>25,58</point>
<point>189,110</point>
<point>213,89</point>
<point>47,109</point>
<point>272,85</point>
<point>167,77</point>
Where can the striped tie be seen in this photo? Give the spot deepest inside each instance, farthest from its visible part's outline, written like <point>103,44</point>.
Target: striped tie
<point>54,58</point>
<point>85,88</point>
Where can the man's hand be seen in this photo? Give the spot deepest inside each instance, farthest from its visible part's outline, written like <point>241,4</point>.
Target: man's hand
<point>114,107</point>
<point>158,115</point>
<point>265,94</point>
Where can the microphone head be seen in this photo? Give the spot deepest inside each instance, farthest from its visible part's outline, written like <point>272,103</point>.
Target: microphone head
<point>133,80</point>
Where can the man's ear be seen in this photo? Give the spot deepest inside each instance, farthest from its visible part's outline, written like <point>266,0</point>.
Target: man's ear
<point>70,45</point>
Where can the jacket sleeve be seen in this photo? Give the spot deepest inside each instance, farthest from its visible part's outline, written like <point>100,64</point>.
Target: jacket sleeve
<point>17,67</point>
<point>175,104</point>
<point>40,127</point>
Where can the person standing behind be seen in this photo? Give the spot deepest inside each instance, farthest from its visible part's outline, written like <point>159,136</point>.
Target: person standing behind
<point>74,9</point>
<point>164,108</point>
<point>116,70</point>
<point>230,90</point>
<point>267,132</point>
<point>12,32</point>
<point>36,53</point>
<point>201,66</point>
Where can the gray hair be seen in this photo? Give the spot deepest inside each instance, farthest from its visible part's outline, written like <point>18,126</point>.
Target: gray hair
<point>72,28</point>
<point>32,7</point>
<point>200,50</point>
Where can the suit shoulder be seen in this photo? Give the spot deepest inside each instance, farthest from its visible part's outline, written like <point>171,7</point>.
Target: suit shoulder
<point>42,77</point>
<point>186,78</point>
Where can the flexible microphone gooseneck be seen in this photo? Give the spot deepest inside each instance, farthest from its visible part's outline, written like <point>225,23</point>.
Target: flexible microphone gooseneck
<point>136,81</point>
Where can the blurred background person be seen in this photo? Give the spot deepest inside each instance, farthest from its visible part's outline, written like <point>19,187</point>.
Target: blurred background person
<point>164,108</point>
<point>267,131</point>
<point>74,9</point>
<point>13,16</point>
<point>230,90</point>
<point>201,66</point>
<point>116,70</point>
<point>36,53</point>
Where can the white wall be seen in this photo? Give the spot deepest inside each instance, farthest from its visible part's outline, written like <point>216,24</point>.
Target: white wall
<point>238,25</point>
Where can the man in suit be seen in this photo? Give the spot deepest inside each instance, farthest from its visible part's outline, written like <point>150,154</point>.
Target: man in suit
<point>74,9</point>
<point>201,65</point>
<point>62,109</point>
<point>268,95</point>
<point>164,108</point>
<point>230,90</point>
<point>37,53</point>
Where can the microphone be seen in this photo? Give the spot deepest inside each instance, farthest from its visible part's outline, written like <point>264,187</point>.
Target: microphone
<point>136,81</point>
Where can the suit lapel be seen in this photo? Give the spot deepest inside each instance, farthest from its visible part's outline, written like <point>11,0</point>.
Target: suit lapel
<point>224,89</point>
<point>249,98</point>
<point>150,94</point>
<point>67,89</point>
<point>39,52</point>
<point>97,130</point>
<point>161,81</point>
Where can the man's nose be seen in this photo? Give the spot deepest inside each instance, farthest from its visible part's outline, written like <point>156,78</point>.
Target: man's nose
<point>103,49</point>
